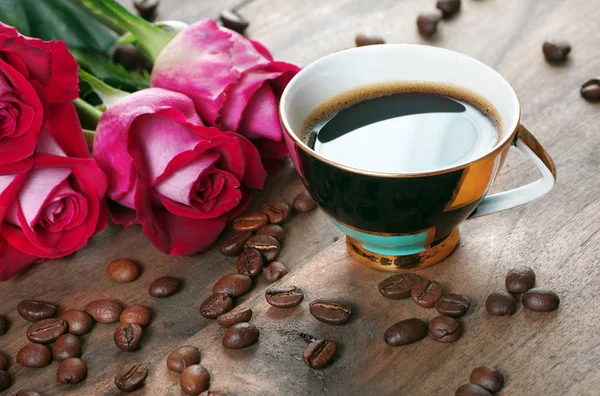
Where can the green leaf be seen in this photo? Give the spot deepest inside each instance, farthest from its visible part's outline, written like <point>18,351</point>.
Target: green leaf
<point>108,94</point>
<point>13,13</point>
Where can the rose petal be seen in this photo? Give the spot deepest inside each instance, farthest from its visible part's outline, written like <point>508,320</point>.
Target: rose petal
<point>271,150</point>
<point>13,261</point>
<point>63,124</point>
<point>262,49</point>
<point>261,120</point>
<point>254,174</point>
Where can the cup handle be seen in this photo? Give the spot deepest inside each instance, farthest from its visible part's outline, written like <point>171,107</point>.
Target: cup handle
<point>529,145</point>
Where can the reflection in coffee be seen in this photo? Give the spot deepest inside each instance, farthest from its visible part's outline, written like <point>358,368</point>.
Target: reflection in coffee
<point>403,127</point>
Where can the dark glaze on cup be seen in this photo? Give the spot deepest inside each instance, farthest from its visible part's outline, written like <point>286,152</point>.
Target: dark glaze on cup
<point>135,314</point>
<point>234,245</point>
<point>398,286</point>
<point>131,377</point>
<point>34,355</point>
<point>540,300</point>
<point>520,279</point>
<point>104,311</point>
<point>501,303</point>
<point>79,322</point>
<point>267,246</point>
<point>426,293</point>
<point>233,284</point>
<point>47,330</point>
<point>194,380</point>
<point>276,211</point>
<point>445,329</point>
<point>34,310</point>
<point>319,353</point>
<point>240,335</point>
<point>66,346</point>
<point>230,318</point>
<point>405,332</point>
<point>215,305</point>
<point>71,371</point>
<point>128,337</point>
<point>250,262</point>
<point>453,305</point>
<point>330,312</point>
<point>284,296</point>
<point>274,230</point>
<point>488,377</point>
<point>163,286</point>
<point>182,357</point>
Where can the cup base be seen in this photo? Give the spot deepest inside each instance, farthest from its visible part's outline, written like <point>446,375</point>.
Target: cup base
<point>436,253</point>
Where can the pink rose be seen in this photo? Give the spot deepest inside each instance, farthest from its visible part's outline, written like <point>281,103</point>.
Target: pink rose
<point>35,76</point>
<point>233,81</point>
<point>168,172</point>
<point>52,208</point>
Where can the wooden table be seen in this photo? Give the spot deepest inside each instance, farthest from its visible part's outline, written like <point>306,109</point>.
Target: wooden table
<point>541,354</point>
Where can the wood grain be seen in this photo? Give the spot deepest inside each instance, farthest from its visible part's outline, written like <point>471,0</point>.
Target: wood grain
<point>558,235</point>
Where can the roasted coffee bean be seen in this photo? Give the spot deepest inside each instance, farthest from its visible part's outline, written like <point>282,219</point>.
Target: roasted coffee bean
<point>453,305</point>
<point>276,211</point>
<point>471,390</point>
<point>33,310</point>
<point>267,246</point>
<point>448,7</point>
<point>234,245</point>
<point>231,318</point>
<point>428,23</point>
<point>128,337</point>
<point>25,392</point>
<point>426,293</point>
<point>540,300</point>
<point>240,335</point>
<point>406,332</point>
<point>250,262</point>
<point>274,230</point>
<point>233,284</point>
<point>398,286</point>
<point>5,380</point>
<point>182,357</point>
<point>128,56</point>
<point>164,286</point>
<point>146,8</point>
<point>445,329</point>
<point>194,380</point>
<point>216,305</point>
<point>487,377</point>
<point>3,361</point>
<point>591,90</point>
<point>284,296</point>
<point>3,325</point>
<point>520,279</point>
<point>34,355</point>
<point>47,330</point>
<point>123,270</point>
<point>362,40</point>
<point>66,346</point>
<point>131,377</point>
<point>213,393</point>
<point>135,314</point>
<point>556,50</point>
<point>319,353</point>
<point>79,322</point>
<point>234,21</point>
<point>71,371</point>
<point>250,221</point>
<point>304,203</point>
<point>274,271</point>
<point>501,303</point>
<point>104,311</point>
<point>330,312</point>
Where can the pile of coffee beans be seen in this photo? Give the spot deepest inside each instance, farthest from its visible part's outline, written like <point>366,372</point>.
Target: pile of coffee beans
<point>427,23</point>
<point>484,381</point>
<point>194,379</point>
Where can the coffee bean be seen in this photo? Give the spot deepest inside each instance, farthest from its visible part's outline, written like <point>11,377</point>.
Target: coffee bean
<point>182,357</point>
<point>131,377</point>
<point>501,303</point>
<point>234,245</point>
<point>520,279</point>
<point>146,8</point>
<point>274,230</point>
<point>304,203</point>
<point>3,361</point>
<point>362,40</point>
<point>240,335</point>
<point>276,211</point>
<point>231,318</point>
<point>25,392</point>
<point>104,311</point>
<point>471,390</point>
<point>274,271</point>
<point>213,393</point>
<point>3,325</point>
<point>33,310</point>
<point>66,346</point>
<point>128,337</point>
<point>123,270</point>
<point>426,293</point>
<point>540,300</point>
<point>284,296</point>
<point>453,305</point>
<point>164,286</point>
<point>47,330</point>
<point>233,284</point>
<point>556,50</point>
<point>591,90</point>
<point>71,371</point>
<point>448,7</point>
<point>135,314</point>
<point>5,380</point>
<point>330,312</point>
<point>234,21</point>
<point>445,329</point>
<point>250,221</point>
<point>216,305</point>
<point>34,355</point>
<point>128,56</point>
<point>194,380</point>
<point>267,246</point>
<point>405,332</point>
<point>79,322</point>
<point>487,377</point>
<point>398,286</point>
<point>319,353</point>
<point>428,23</point>
<point>250,262</point>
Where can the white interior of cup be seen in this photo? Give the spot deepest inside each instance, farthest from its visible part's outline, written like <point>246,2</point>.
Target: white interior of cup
<point>356,67</point>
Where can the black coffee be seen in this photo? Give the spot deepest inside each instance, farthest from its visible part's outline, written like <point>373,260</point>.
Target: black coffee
<point>403,127</point>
